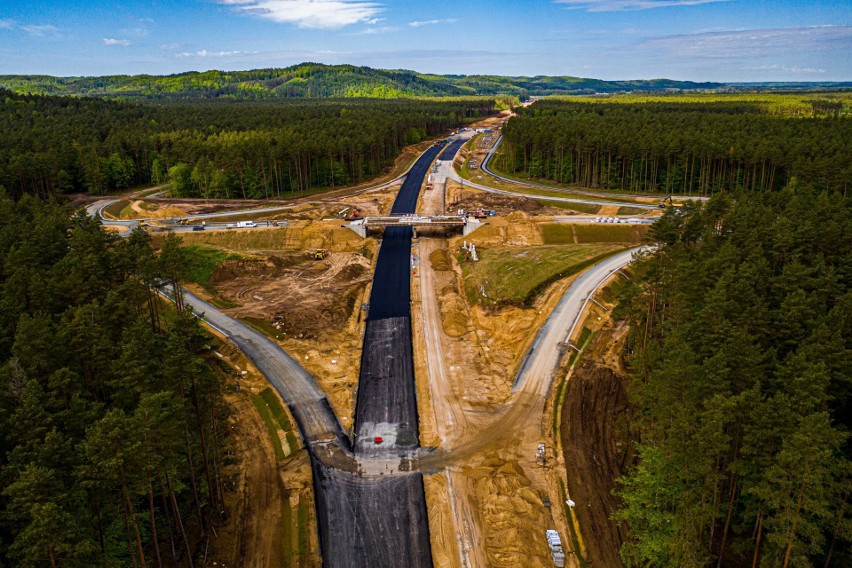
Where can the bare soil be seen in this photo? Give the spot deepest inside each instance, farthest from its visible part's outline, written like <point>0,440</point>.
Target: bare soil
<point>596,443</point>
<point>303,298</point>
<point>488,508</point>
<point>256,484</point>
<point>467,198</point>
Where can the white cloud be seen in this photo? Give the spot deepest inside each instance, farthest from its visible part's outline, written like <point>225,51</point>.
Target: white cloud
<point>205,53</point>
<point>754,43</point>
<point>113,41</point>
<point>627,5</point>
<point>420,24</point>
<point>378,30</point>
<point>795,69</point>
<point>321,14</point>
<point>40,31</point>
<point>7,24</point>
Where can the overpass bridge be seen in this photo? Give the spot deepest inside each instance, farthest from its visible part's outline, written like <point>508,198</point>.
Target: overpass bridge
<point>466,224</point>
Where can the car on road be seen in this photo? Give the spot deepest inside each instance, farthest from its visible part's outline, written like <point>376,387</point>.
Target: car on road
<point>198,227</point>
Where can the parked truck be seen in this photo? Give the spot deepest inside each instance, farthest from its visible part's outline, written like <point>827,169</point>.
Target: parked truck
<point>555,544</point>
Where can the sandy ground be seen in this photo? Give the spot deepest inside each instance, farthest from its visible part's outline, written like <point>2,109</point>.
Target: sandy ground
<point>488,508</point>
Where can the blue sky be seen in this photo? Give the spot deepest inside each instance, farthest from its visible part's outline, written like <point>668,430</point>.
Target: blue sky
<point>713,40</point>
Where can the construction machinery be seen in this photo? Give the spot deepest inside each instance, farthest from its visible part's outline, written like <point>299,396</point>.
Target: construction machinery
<point>667,202</point>
<point>320,254</point>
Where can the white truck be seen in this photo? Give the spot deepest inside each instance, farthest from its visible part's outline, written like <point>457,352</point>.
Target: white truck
<point>555,544</point>
<point>246,224</point>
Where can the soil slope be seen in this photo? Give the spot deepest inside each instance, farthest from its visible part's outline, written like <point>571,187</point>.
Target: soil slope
<point>596,444</point>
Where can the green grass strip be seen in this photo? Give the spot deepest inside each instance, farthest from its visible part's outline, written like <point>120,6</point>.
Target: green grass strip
<point>271,425</point>
<point>276,408</point>
<point>575,541</point>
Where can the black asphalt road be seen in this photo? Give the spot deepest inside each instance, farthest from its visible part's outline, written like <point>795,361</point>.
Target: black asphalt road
<point>406,199</point>
<point>365,520</point>
<point>451,150</point>
<point>371,521</point>
<point>390,297</point>
<point>387,401</point>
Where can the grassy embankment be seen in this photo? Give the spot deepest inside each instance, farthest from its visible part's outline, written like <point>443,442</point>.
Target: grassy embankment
<point>295,525</point>
<point>517,276</point>
<point>202,261</point>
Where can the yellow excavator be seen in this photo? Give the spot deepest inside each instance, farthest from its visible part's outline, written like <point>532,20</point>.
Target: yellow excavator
<point>667,202</point>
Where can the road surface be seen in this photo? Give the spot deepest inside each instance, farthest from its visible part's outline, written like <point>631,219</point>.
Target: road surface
<point>536,372</point>
<point>390,525</point>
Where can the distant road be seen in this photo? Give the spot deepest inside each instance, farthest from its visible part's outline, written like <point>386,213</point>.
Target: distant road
<point>605,194</point>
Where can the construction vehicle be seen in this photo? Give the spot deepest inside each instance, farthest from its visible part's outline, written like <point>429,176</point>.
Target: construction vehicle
<point>320,254</point>
<point>353,215</point>
<point>555,545</point>
<point>667,202</point>
<point>480,214</point>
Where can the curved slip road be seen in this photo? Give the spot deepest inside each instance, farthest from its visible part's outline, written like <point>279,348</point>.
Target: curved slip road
<point>536,372</point>
<point>535,375</point>
<point>308,403</point>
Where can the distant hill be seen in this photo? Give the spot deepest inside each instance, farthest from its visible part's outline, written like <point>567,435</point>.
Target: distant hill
<point>313,80</point>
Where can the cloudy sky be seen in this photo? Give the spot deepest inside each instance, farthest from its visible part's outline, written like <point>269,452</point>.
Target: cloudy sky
<point>712,40</point>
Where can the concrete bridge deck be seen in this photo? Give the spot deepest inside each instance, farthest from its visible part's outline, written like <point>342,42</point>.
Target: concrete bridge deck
<point>467,224</point>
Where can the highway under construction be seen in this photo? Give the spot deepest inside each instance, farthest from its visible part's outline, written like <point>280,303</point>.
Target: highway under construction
<point>368,478</point>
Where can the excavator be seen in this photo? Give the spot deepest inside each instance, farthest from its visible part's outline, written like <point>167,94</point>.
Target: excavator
<point>667,202</point>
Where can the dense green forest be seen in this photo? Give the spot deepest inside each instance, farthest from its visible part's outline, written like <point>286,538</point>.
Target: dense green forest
<point>212,149</point>
<point>111,421</point>
<point>684,144</point>
<point>315,80</point>
<point>741,356</point>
